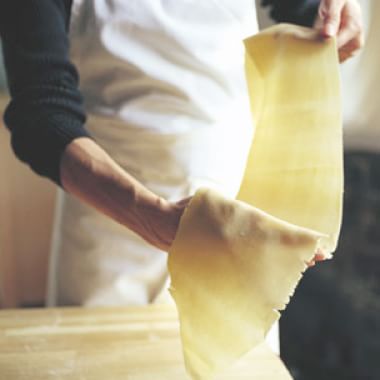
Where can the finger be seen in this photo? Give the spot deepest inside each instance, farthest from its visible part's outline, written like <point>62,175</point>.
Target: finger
<point>350,49</point>
<point>330,13</point>
<point>184,202</point>
<point>319,257</point>
<point>311,263</point>
<point>350,37</point>
<point>344,56</point>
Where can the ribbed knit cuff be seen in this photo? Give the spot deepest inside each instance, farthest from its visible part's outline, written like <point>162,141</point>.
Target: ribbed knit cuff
<point>301,12</point>
<point>40,140</point>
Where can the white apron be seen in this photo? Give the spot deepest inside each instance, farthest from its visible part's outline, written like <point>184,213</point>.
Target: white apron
<point>166,97</point>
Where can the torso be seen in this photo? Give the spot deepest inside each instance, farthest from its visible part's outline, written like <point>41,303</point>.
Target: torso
<point>167,77</point>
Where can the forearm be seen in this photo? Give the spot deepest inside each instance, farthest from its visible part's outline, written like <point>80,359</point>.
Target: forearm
<point>89,173</point>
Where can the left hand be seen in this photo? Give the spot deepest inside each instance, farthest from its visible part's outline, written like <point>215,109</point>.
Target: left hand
<point>342,19</point>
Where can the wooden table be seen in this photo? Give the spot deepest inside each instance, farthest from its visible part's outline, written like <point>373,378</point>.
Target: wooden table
<point>108,344</point>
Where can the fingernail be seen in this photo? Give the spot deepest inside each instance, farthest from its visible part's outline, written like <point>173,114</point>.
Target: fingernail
<point>329,30</point>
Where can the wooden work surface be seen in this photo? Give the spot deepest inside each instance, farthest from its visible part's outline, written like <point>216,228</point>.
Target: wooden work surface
<point>108,344</point>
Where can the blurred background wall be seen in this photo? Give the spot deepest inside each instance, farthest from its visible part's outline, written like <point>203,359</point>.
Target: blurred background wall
<point>26,211</point>
<point>2,74</point>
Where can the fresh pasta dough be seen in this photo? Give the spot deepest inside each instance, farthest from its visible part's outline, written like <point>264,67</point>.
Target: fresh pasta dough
<point>235,263</point>
<point>233,266</point>
<point>295,165</point>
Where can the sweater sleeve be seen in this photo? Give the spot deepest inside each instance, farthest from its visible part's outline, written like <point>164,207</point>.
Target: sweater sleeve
<point>46,111</point>
<point>301,12</point>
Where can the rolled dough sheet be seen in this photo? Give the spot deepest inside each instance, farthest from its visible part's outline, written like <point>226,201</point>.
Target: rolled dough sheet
<point>295,165</point>
<point>234,264</point>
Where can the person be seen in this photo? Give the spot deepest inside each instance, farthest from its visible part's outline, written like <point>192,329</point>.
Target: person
<point>165,111</point>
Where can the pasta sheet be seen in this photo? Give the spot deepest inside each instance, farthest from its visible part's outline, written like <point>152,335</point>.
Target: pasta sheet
<point>235,263</point>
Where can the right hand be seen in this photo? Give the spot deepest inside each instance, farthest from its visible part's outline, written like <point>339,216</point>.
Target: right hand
<point>161,222</point>
<point>89,173</point>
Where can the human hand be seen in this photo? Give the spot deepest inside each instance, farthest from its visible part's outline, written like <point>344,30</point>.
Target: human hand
<point>343,19</point>
<point>319,256</point>
<point>89,173</point>
<point>161,222</point>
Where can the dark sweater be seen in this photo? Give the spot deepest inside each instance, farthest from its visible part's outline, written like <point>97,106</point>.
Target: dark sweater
<point>301,12</point>
<point>45,113</point>
<point>46,109</point>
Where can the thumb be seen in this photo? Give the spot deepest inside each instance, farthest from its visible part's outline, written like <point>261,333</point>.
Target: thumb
<point>330,13</point>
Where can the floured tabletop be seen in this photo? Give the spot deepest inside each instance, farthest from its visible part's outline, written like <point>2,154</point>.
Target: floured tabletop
<point>140,343</point>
